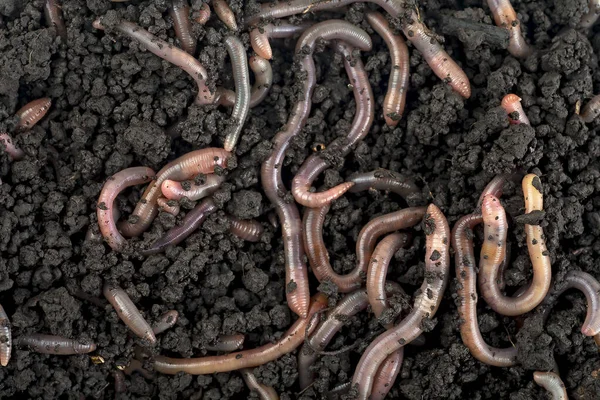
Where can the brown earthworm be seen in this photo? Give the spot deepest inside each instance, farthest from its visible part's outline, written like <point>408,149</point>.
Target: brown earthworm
<point>191,164</point>
<point>506,17</point>
<point>227,343</point>
<point>249,230</point>
<point>363,119</point>
<point>395,97</point>
<point>383,179</point>
<point>248,358</point>
<point>169,53</point>
<point>591,17</point>
<point>296,272</point>
<point>120,385</point>
<point>264,392</point>
<point>180,13</point>
<point>165,321</point>
<point>178,234</point>
<point>31,113</point>
<point>495,188</point>
<point>420,36</point>
<point>591,109</point>
<point>464,259</point>
<point>263,79</point>
<point>386,375</point>
<point>5,338</point>
<point>128,312</point>
<point>241,77</point>
<point>427,301</point>
<point>552,383</point>
<point>13,152</point>
<point>113,186</point>
<point>54,17</point>
<point>164,204</point>
<point>49,344</point>
<point>259,36</point>
<point>203,14</point>
<point>225,14</point>
<point>198,188</point>
<point>512,105</point>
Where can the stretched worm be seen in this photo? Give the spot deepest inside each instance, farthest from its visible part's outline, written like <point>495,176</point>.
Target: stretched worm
<point>248,358</point>
<point>420,36</point>
<point>225,14</point>
<point>105,209</point>
<point>249,230</point>
<point>49,344</point>
<point>296,272</point>
<point>169,53</point>
<point>427,301</point>
<point>552,383</point>
<point>264,392</point>
<point>383,179</point>
<point>165,321</point>
<point>363,119</point>
<point>180,13</point>
<point>506,17</point>
<point>464,260</point>
<point>5,338</point>
<point>206,186</point>
<point>227,343</point>
<point>31,113</point>
<point>163,203</point>
<point>512,105</point>
<point>13,151</point>
<point>128,312</point>
<point>591,109</point>
<point>203,14</point>
<point>191,164</point>
<point>54,17</point>
<point>241,77</point>
<point>259,36</point>
<point>395,97</point>
<point>263,79</point>
<point>120,385</point>
<point>178,234</point>
<point>591,17</point>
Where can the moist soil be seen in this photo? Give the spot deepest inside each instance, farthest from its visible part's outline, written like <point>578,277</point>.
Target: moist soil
<point>115,105</point>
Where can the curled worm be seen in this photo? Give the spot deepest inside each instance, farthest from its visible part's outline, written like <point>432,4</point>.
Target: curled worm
<point>165,321</point>
<point>511,103</point>
<point>248,358</point>
<point>227,343</point>
<point>180,13</point>
<point>249,230</point>
<point>591,109</point>
<point>5,338</point>
<point>264,392</point>
<point>54,17</point>
<point>225,14</point>
<point>198,188</point>
<point>168,206</point>
<point>263,79</point>
<point>128,312</point>
<point>31,113</point>
<point>259,36</point>
<point>506,17</point>
<point>552,383</point>
<point>203,14</point>
<point>48,344</point>
<point>591,17</point>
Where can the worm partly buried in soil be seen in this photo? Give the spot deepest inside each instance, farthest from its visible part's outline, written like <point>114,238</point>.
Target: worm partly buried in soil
<point>264,392</point>
<point>249,229</point>
<point>120,384</point>
<point>198,187</point>
<point>227,343</point>
<point>263,79</point>
<point>203,15</point>
<point>180,13</point>
<point>168,206</point>
<point>5,338</point>
<point>128,312</point>
<point>259,37</point>
<point>506,17</point>
<point>552,383</point>
<point>511,103</point>
<point>225,14</point>
<point>56,345</point>
<point>591,109</point>
<point>165,321</point>
<point>591,17</point>
<point>54,17</point>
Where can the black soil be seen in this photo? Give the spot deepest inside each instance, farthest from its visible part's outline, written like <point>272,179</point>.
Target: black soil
<point>116,106</point>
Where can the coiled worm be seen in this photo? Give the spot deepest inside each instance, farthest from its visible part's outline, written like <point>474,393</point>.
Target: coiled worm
<point>165,321</point>
<point>552,383</point>
<point>506,17</point>
<point>249,230</point>
<point>264,392</point>
<point>180,13</point>
<point>227,343</point>
<point>259,37</point>
<point>225,14</point>
<point>511,103</point>
<point>198,187</point>
<point>5,338</point>
<point>128,312</point>
<point>56,345</point>
<point>54,17</point>
<point>591,109</point>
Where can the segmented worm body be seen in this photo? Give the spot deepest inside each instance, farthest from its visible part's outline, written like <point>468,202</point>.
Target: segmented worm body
<point>225,14</point>
<point>250,230</point>
<point>591,109</point>
<point>248,358</point>
<point>54,17</point>
<point>395,98</point>
<point>495,188</point>
<point>203,14</point>
<point>506,17</point>
<point>180,13</point>
<point>206,186</point>
<point>591,17</point>
<point>263,79</point>
<point>383,179</point>
<point>48,344</point>
<point>31,113</point>
<point>13,151</point>
<point>386,375</point>
<point>169,206</point>
<point>552,383</point>
<point>264,392</point>
<point>5,338</point>
<point>259,37</point>
<point>227,343</point>
<point>427,301</point>
<point>165,321</point>
<point>241,77</point>
<point>128,312</point>
<point>512,105</point>
<point>120,385</point>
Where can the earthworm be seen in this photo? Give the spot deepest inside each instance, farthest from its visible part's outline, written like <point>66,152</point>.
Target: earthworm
<point>591,17</point>
<point>113,186</point>
<point>259,36</point>
<point>169,53</point>
<point>365,244</point>
<point>495,188</point>
<point>296,272</point>
<point>227,343</point>
<point>395,97</point>
<point>137,366</point>
<point>225,14</point>
<point>591,109</point>
<point>49,344</point>
<point>31,113</point>
<point>383,179</point>
<point>128,312</point>
<point>506,17</point>
<point>163,203</point>
<point>5,338</point>
<point>386,375</point>
<point>178,234</point>
<point>512,105</point>
<point>427,301</point>
<point>249,230</point>
<point>94,236</point>
<point>203,14</point>
<point>263,79</point>
<point>13,152</point>
<point>248,358</point>
<point>54,17</point>
<point>552,383</point>
<point>180,13</point>
<point>191,164</point>
<point>120,385</point>
<point>363,119</point>
<point>241,77</point>
<point>464,259</point>
<point>206,186</point>
<point>264,392</point>
<point>420,36</point>
<point>165,321</point>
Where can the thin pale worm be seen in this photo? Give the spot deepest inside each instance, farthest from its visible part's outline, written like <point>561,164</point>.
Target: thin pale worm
<point>48,344</point>
<point>203,14</point>
<point>165,321</point>
<point>552,383</point>
<point>395,97</point>
<point>264,392</point>
<point>128,312</point>
<point>8,145</point>
<point>383,179</point>
<point>54,17</point>
<point>227,343</point>
<point>427,301</point>
<point>198,188</point>
<point>263,79</point>
<point>290,340</point>
<point>511,103</point>
<point>591,110</point>
<point>120,385</point>
<point>225,14</point>
<point>5,338</point>
<point>168,206</point>
<point>506,17</point>
<point>591,17</point>
<point>31,113</point>
<point>180,13</point>
<point>259,37</point>
<point>249,229</point>
<point>241,77</point>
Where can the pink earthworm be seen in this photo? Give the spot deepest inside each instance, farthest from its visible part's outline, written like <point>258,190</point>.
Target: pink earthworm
<point>495,188</point>
<point>249,230</point>
<point>263,79</point>
<point>128,312</point>
<point>395,98</point>
<point>414,29</point>
<point>227,343</point>
<point>199,188</point>
<point>54,17</point>
<point>363,119</point>
<point>185,167</point>
<point>427,301</point>
<point>506,17</point>
<point>511,103</point>
<point>167,206</point>
<point>120,385</point>
<point>386,375</point>
<point>169,53</point>
<point>165,321</point>
<point>95,236</point>
<point>591,17</point>
<point>297,289</point>
<point>383,179</point>
<point>552,383</point>
<point>248,358</point>
<point>225,14</point>
<point>591,110</point>
<point>259,36</point>
<point>264,392</point>
<point>48,344</point>
<point>178,234</point>
<point>105,209</point>
<point>203,15</point>
<point>31,113</point>
<point>13,152</point>
<point>5,338</point>
<point>180,13</point>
